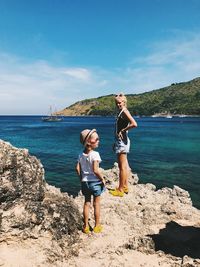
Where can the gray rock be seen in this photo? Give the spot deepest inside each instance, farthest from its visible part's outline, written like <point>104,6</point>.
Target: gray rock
<point>30,208</point>
<point>112,175</point>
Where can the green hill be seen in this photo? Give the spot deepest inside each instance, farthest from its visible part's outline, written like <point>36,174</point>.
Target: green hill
<point>178,98</point>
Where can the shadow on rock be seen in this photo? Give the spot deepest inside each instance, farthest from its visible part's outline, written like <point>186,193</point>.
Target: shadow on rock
<point>178,240</point>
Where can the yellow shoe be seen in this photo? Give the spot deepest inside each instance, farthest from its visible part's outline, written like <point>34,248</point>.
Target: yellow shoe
<point>116,193</point>
<point>98,229</point>
<point>126,190</point>
<point>86,230</point>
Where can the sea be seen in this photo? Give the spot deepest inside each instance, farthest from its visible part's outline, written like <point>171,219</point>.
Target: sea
<point>164,151</point>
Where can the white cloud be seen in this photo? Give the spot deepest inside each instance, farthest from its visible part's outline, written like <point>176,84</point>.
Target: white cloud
<point>78,73</point>
<point>30,87</point>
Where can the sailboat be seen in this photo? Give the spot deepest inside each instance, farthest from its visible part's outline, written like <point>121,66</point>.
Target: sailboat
<point>52,117</point>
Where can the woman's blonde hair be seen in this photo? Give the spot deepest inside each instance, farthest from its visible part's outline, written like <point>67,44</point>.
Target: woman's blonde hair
<point>121,97</point>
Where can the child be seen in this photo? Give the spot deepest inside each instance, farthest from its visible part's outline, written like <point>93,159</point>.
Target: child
<point>92,181</point>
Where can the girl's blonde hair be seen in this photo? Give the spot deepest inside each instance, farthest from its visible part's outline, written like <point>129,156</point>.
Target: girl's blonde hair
<point>121,97</point>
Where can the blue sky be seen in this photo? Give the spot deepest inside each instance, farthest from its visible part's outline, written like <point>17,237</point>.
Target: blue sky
<point>56,52</point>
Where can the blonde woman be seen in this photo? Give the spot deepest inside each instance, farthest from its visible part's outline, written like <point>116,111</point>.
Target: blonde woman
<point>124,122</point>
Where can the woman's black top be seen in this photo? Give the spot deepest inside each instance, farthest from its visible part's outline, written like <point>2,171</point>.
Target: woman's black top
<point>121,123</point>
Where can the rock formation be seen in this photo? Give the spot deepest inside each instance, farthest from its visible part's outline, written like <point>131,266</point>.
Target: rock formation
<point>37,221</point>
<point>144,228</point>
<point>40,226</point>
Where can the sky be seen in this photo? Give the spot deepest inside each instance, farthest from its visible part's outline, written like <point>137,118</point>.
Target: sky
<point>57,52</point>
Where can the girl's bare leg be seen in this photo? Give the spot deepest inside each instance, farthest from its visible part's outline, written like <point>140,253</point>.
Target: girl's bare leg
<point>86,209</point>
<point>96,204</point>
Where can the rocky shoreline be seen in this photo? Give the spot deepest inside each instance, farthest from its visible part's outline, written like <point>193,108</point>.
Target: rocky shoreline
<point>40,226</point>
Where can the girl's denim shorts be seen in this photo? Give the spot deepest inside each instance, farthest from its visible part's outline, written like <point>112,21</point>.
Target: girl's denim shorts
<point>92,188</point>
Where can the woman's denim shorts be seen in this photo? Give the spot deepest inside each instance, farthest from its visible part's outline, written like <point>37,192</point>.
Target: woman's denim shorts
<point>92,188</point>
<point>121,146</point>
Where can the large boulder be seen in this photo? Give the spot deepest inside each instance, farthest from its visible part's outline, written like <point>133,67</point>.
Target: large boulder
<point>33,214</point>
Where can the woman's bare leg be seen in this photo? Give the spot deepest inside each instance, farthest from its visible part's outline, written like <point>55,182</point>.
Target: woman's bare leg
<point>123,171</point>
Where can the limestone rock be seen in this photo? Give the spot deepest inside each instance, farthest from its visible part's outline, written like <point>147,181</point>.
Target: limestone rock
<point>112,175</point>
<point>144,228</point>
<point>33,215</point>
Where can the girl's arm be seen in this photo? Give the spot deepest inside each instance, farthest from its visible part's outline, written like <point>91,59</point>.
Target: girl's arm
<point>78,169</point>
<point>97,171</point>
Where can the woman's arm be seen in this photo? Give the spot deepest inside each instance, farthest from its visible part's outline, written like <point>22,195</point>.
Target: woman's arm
<point>132,123</point>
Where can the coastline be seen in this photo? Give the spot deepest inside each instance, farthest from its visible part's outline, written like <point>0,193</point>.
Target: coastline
<point>89,116</point>
<point>171,158</point>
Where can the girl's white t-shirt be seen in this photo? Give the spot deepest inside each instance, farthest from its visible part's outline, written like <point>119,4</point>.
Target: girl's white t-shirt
<point>86,162</point>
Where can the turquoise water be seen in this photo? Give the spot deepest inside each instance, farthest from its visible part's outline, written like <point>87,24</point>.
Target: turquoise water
<point>163,151</point>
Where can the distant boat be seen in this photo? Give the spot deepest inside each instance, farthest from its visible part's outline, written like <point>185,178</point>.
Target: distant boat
<point>51,117</point>
<point>155,115</point>
<point>182,115</point>
<point>168,116</point>
<point>162,114</point>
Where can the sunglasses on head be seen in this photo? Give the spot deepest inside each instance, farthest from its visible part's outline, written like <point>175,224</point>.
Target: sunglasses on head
<point>119,95</point>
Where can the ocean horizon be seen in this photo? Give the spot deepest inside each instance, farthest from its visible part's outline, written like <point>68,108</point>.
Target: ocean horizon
<point>164,151</point>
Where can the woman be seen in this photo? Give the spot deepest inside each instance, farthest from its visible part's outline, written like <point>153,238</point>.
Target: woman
<point>124,122</point>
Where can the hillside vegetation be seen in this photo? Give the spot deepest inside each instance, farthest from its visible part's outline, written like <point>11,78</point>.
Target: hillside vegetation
<point>178,98</point>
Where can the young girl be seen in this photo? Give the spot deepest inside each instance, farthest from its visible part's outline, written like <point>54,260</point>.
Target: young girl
<point>92,181</point>
<point>124,122</point>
